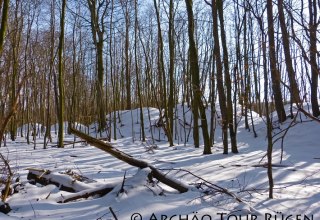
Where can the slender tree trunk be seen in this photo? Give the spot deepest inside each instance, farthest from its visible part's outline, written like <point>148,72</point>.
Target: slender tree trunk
<point>286,47</point>
<point>138,71</point>
<point>61,76</point>
<point>98,39</point>
<point>313,28</point>
<point>246,80</point>
<point>213,103</point>
<point>269,122</point>
<point>171,71</point>
<point>100,93</point>
<point>3,28</point>
<point>194,70</point>
<point>220,83</point>
<point>233,135</point>
<point>275,75</point>
<point>128,78</point>
<point>162,76</point>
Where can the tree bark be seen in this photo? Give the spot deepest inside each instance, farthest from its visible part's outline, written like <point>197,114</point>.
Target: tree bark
<point>61,76</point>
<point>275,75</point>
<point>286,47</point>
<point>143,138</point>
<point>313,28</point>
<point>97,36</point>
<point>5,10</point>
<point>162,76</point>
<point>233,134</point>
<point>171,71</point>
<point>128,78</point>
<point>194,70</point>
<point>220,83</point>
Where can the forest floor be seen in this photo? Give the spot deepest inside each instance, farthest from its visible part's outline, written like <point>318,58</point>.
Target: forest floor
<point>296,189</point>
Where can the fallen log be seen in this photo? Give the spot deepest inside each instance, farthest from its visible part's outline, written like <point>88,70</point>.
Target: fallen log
<point>84,194</point>
<point>81,187</point>
<point>107,147</point>
<point>65,181</point>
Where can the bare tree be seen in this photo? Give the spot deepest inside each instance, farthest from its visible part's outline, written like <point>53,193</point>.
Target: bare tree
<point>194,70</point>
<point>98,12</point>
<point>61,75</point>
<point>313,29</point>
<point>275,75</point>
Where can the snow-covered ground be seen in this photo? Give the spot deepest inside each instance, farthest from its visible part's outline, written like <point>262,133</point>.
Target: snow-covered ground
<point>296,190</point>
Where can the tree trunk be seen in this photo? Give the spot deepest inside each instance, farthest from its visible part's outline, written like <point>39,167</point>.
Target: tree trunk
<point>275,75</point>
<point>313,28</point>
<point>162,76</point>
<point>98,38</point>
<point>128,78</point>
<point>233,134</point>
<point>220,83</point>
<point>143,138</point>
<point>171,71</point>
<point>194,70</point>
<point>61,76</point>
<point>286,47</point>
<point>5,10</point>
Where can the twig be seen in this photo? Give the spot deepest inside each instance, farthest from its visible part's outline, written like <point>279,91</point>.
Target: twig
<point>122,185</point>
<point>292,123</point>
<point>211,185</point>
<point>34,212</point>
<point>113,214</point>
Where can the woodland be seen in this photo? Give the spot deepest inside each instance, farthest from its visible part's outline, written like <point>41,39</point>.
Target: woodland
<point>192,73</point>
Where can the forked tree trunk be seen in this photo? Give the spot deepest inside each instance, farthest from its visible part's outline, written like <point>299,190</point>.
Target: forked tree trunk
<point>232,132</point>
<point>98,39</point>
<point>162,76</point>
<point>195,78</point>
<point>220,83</point>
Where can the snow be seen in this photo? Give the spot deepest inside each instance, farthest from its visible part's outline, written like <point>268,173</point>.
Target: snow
<point>296,190</point>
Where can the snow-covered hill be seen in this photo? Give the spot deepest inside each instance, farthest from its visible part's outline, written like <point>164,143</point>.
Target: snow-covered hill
<point>297,178</point>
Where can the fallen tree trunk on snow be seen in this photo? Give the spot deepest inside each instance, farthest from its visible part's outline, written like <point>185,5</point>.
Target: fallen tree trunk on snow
<point>84,194</point>
<point>131,160</point>
<point>46,177</point>
<point>66,181</point>
<point>81,187</point>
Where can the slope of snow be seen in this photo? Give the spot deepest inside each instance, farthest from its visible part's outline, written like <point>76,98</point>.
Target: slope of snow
<point>297,178</point>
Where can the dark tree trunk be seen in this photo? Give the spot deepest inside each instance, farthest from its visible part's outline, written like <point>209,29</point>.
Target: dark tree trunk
<point>233,135</point>
<point>313,26</point>
<point>194,70</point>
<point>286,46</point>
<point>5,10</point>
<point>61,76</point>
<point>220,83</point>
<point>171,71</point>
<point>98,38</point>
<point>275,75</point>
